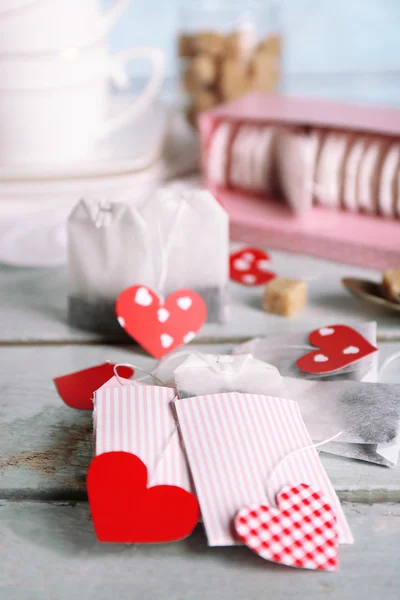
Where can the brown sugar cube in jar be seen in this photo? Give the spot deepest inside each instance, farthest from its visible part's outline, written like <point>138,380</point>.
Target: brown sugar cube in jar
<point>191,116</point>
<point>391,284</point>
<point>235,79</point>
<point>204,100</point>
<point>186,46</point>
<point>200,73</point>
<point>209,42</point>
<point>264,71</point>
<point>204,69</point>
<point>285,297</point>
<point>233,45</point>
<point>272,45</point>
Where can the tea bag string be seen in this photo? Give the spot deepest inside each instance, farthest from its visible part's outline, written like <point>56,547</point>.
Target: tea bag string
<point>274,471</point>
<point>165,249</point>
<point>123,382</point>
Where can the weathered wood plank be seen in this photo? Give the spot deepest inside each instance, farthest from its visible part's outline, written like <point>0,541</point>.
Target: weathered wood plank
<point>45,447</point>
<point>33,305</point>
<point>49,551</point>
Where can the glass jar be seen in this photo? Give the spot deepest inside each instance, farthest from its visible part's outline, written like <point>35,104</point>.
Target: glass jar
<point>227,48</point>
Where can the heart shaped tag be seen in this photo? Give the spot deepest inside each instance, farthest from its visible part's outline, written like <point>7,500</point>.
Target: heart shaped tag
<point>160,328</point>
<point>338,346</point>
<point>125,510</point>
<point>250,267</point>
<point>77,389</point>
<point>301,532</point>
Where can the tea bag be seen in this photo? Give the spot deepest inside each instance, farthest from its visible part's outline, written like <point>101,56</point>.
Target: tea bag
<point>365,413</point>
<point>160,244</point>
<point>201,374</point>
<point>285,349</point>
<point>196,255</point>
<point>103,239</point>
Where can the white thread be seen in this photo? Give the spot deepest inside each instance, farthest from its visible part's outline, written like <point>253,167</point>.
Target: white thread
<point>388,361</point>
<point>165,248</point>
<point>135,368</point>
<point>312,446</point>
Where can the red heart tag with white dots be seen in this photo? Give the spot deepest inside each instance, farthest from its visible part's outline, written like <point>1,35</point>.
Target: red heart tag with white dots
<point>160,327</point>
<point>250,266</point>
<point>301,532</point>
<point>339,346</point>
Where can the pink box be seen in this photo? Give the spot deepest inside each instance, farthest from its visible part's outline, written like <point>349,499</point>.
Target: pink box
<point>366,240</point>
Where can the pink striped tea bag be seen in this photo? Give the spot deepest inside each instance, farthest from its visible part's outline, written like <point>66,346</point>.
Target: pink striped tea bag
<point>242,449</point>
<point>139,419</point>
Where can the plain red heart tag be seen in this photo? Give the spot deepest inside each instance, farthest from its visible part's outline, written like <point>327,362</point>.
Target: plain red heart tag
<point>339,346</point>
<point>249,266</point>
<point>301,532</point>
<point>160,328</point>
<point>77,389</point>
<point>125,510</point>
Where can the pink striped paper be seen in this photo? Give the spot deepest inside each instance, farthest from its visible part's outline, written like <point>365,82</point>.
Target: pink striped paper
<point>139,419</point>
<point>234,443</point>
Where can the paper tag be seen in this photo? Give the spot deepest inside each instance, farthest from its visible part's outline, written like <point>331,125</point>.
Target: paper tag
<point>338,346</point>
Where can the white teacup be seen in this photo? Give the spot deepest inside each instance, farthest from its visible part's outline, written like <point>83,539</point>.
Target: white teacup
<point>28,26</point>
<point>53,108</point>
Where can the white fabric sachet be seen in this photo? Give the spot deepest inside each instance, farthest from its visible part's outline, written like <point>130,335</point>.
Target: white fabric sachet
<point>284,350</point>
<point>160,243</point>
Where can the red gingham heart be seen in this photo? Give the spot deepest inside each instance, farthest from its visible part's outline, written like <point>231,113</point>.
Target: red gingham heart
<point>302,532</point>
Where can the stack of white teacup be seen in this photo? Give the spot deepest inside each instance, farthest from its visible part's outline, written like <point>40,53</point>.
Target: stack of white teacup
<point>55,75</point>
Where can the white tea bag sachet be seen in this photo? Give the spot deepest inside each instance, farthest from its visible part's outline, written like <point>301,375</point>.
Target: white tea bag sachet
<point>366,414</point>
<point>201,374</point>
<point>176,239</point>
<point>284,350</point>
<point>106,254</point>
<point>188,246</point>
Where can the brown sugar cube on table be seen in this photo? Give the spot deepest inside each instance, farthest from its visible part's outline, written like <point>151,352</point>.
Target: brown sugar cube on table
<point>391,284</point>
<point>285,297</point>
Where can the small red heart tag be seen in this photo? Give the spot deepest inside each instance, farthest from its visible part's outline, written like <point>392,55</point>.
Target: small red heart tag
<point>250,267</point>
<point>301,532</point>
<point>77,389</point>
<point>339,346</point>
<point>160,328</point>
<point>124,510</point>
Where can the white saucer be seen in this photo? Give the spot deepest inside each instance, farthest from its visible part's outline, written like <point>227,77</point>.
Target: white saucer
<point>132,149</point>
<point>35,240</point>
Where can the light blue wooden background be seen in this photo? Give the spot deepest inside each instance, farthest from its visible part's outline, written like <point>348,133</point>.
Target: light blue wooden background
<point>341,48</point>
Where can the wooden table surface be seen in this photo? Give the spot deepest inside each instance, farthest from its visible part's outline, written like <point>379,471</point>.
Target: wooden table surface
<point>48,550</point>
